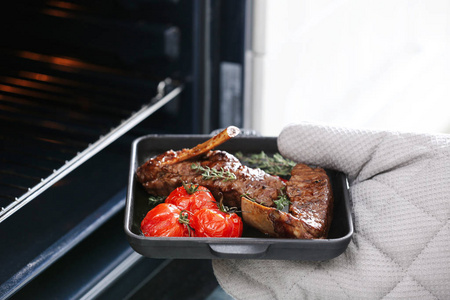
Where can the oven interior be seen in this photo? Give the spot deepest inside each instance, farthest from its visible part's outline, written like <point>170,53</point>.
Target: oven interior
<point>79,81</point>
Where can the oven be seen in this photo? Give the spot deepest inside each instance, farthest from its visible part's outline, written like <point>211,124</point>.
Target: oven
<point>79,81</point>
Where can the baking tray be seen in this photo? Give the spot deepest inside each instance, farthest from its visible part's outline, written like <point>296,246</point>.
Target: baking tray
<point>253,244</point>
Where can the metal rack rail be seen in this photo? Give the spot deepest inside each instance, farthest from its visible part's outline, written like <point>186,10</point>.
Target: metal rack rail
<point>55,119</point>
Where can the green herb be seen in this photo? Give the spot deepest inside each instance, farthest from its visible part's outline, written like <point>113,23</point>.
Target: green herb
<point>282,201</point>
<point>225,209</point>
<point>210,173</point>
<point>155,200</point>
<point>247,196</point>
<point>184,219</point>
<point>275,165</point>
<point>191,188</point>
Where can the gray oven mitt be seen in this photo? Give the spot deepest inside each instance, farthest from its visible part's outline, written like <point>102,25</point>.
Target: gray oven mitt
<point>400,189</point>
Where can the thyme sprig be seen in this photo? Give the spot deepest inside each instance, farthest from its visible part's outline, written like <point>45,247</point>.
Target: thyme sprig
<point>190,188</point>
<point>247,196</point>
<point>210,173</point>
<point>184,219</point>
<point>155,200</point>
<point>282,201</point>
<point>226,209</point>
<point>275,165</point>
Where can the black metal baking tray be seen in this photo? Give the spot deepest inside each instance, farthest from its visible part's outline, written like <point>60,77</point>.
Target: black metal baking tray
<point>253,245</point>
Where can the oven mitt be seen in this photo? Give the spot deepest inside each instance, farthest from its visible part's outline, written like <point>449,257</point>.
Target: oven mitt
<point>400,192</point>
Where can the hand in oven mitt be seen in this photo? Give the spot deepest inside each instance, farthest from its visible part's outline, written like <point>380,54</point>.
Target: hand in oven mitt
<point>400,192</point>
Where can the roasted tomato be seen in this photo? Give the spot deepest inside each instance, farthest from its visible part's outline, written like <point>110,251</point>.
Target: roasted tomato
<point>166,220</point>
<point>213,222</point>
<point>191,198</point>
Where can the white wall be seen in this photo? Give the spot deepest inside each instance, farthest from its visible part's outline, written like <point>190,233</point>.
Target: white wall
<point>371,64</point>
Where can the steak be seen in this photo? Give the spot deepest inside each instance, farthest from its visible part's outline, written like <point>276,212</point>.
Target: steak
<point>160,179</point>
<point>309,191</point>
<point>310,209</point>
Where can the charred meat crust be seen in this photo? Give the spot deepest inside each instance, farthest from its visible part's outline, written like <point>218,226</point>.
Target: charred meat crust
<point>310,211</point>
<point>309,191</point>
<point>161,179</point>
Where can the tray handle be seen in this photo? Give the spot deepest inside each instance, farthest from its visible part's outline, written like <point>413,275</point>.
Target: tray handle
<point>238,251</point>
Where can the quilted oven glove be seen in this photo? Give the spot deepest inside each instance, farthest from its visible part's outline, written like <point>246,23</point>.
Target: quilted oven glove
<point>400,192</point>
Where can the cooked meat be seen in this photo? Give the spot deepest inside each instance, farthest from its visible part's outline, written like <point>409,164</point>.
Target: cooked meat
<point>310,211</point>
<point>160,179</point>
<point>276,223</point>
<point>308,189</point>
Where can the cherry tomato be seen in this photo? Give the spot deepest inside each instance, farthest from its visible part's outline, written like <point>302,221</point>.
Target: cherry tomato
<point>212,222</point>
<point>191,198</point>
<point>165,220</point>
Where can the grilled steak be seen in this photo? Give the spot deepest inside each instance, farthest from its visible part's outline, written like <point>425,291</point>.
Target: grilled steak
<point>310,211</point>
<point>160,179</point>
<point>309,191</point>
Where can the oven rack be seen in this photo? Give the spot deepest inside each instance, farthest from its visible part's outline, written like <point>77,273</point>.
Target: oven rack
<point>91,150</point>
<point>47,129</point>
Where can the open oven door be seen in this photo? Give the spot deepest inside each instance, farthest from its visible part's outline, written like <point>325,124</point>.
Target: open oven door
<point>79,81</point>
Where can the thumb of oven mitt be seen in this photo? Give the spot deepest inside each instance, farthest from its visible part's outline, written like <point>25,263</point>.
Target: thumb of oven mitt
<point>400,193</point>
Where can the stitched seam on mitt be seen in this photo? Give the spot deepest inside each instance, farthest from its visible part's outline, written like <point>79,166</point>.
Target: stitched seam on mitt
<point>434,152</point>
<point>254,282</point>
<point>404,271</point>
<point>337,283</point>
<point>407,199</point>
<point>387,256</point>
<point>375,148</point>
<point>425,289</point>
<point>301,279</point>
<point>423,249</point>
<point>399,265</point>
<point>319,265</point>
